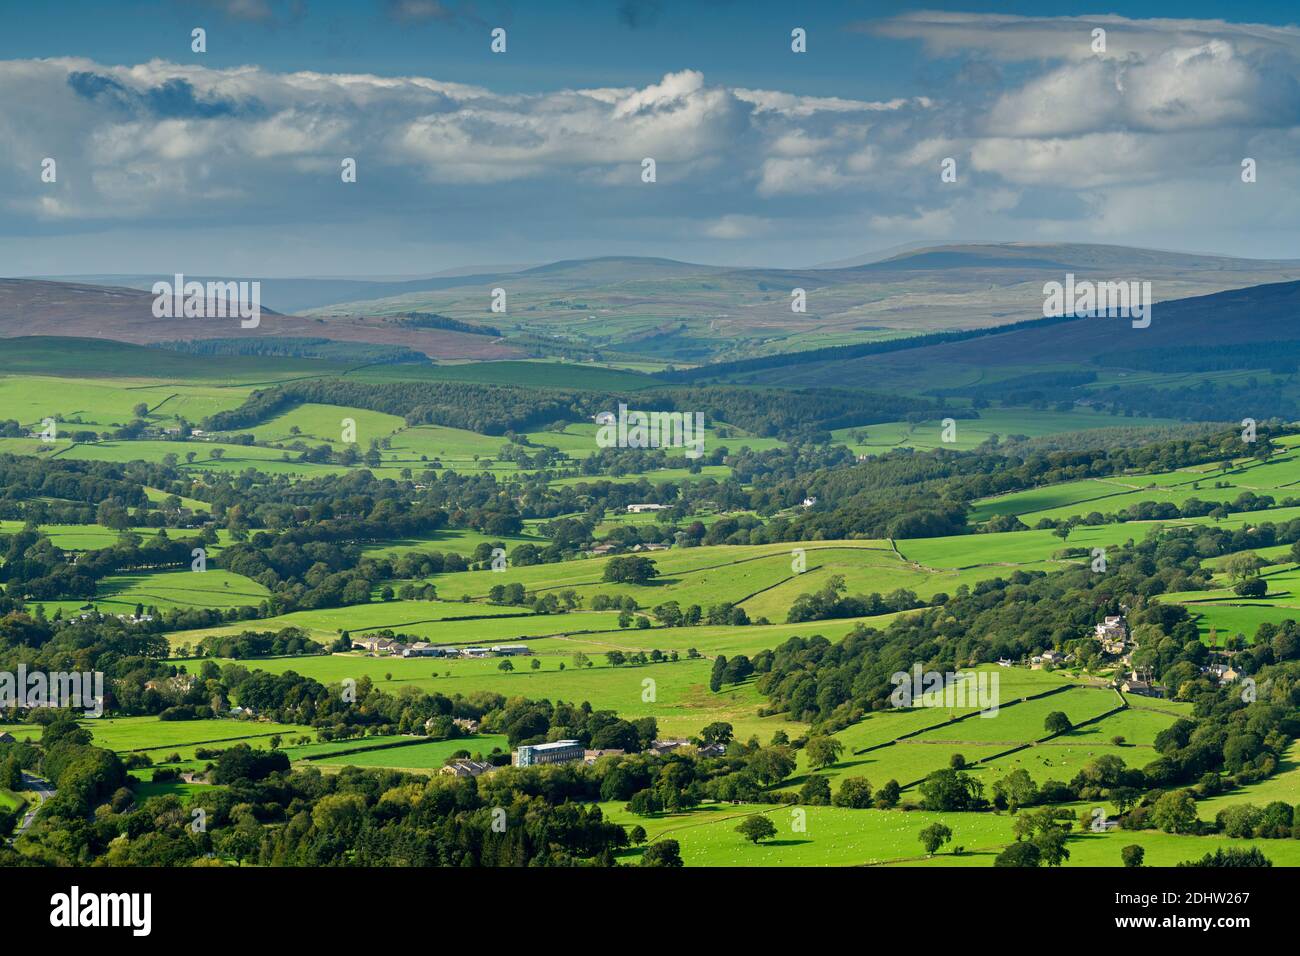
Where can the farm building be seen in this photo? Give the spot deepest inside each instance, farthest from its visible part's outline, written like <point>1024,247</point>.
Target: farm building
<point>466,768</point>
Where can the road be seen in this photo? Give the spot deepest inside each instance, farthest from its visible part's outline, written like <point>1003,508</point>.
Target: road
<point>43,791</point>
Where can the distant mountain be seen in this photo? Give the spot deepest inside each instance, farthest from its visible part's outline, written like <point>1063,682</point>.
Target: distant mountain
<point>1251,328</point>
<point>867,258</point>
<point>660,309</point>
<point>35,307</point>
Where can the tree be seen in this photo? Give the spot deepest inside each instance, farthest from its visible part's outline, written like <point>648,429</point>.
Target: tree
<point>505,667</point>
<point>1017,789</point>
<point>1232,857</point>
<point>756,827</point>
<point>933,837</point>
<point>888,795</point>
<point>1020,853</point>
<point>823,751</point>
<point>771,765</point>
<point>1057,723</point>
<point>1244,565</point>
<point>1132,855</point>
<point>637,835</point>
<point>718,732</point>
<point>950,790</point>
<point>1251,587</point>
<point>630,569</point>
<point>816,791</point>
<point>1050,841</point>
<point>140,410</point>
<point>854,793</point>
<point>1175,812</point>
<point>715,678</point>
<point>663,853</point>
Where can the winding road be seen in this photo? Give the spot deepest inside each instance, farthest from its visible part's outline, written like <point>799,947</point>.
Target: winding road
<point>43,790</point>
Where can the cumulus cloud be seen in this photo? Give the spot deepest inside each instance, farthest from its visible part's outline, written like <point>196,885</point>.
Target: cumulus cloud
<point>1049,136</point>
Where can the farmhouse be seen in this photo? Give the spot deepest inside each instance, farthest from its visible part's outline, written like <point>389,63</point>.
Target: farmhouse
<point>667,746</point>
<point>379,645</point>
<point>467,724</point>
<point>466,768</point>
<point>510,650</point>
<point>1135,683</point>
<point>646,506</point>
<point>423,649</point>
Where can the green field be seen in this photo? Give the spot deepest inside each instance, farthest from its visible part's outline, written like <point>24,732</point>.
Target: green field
<point>419,757</point>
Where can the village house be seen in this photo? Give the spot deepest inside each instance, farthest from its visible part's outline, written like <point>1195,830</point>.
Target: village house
<point>180,684</point>
<point>1223,673</point>
<point>466,768</point>
<point>712,750</point>
<point>591,756</point>
<point>1136,683</point>
<point>467,724</point>
<point>1112,635</point>
<point>662,747</point>
<point>7,738</point>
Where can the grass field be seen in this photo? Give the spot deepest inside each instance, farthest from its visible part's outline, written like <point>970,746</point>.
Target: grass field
<point>419,758</point>
<point>128,734</point>
<point>832,836</point>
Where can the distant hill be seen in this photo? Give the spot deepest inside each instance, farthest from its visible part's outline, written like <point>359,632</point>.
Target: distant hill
<point>1251,328</point>
<point>37,307</point>
<point>658,310</point>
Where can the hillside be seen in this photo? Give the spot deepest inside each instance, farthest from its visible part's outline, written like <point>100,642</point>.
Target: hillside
<point>686,313</point>
<point>654,310</point>
<point>1234,331</point>
<point>36,307</point>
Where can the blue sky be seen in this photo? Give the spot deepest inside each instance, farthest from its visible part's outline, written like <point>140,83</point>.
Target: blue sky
<point>227,162</point>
